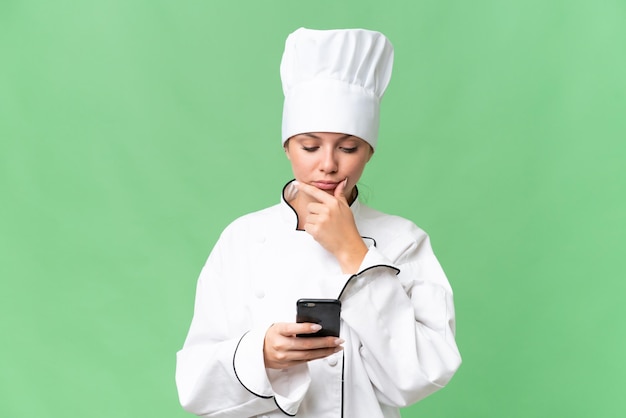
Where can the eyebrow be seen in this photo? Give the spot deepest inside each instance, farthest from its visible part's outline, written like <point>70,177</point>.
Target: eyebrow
<point>317,137</point>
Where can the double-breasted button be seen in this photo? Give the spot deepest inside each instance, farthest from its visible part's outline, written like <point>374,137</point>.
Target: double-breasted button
<point>332,360</point>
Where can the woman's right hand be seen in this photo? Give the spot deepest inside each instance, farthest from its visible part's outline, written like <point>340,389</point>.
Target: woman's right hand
<point>283,349</point>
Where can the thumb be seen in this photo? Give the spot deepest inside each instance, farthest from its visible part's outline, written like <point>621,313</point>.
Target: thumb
<point>340,189</point>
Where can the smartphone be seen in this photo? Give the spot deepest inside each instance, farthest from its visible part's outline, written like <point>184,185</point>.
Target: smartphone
<point>325,312</point>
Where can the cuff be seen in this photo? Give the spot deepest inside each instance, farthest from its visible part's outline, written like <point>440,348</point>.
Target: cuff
<point>290,385</point>
<point>373,260</point>
<point>249,364</point>
<point>287,386</point>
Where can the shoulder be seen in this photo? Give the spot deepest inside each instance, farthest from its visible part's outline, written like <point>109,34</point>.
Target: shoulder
<point>371,217</point>
<point>386,227</point>
<point>398,238</point>
<point>252,223</point>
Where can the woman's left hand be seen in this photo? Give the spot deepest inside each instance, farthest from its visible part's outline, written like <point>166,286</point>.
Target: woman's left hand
<point>331,223</point>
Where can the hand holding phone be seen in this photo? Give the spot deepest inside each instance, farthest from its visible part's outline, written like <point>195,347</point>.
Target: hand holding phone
<point>282,348</point>
<point>325,312</point>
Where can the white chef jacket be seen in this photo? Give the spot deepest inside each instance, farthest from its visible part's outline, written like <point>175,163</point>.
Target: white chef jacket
<point>397,320</point>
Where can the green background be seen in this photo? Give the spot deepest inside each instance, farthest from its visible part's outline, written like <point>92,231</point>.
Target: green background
<point>133,132</point>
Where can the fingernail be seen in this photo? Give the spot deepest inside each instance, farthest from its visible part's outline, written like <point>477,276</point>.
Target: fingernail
<point>316,327</point>
<point>338,349</point>
<point>339,341</point>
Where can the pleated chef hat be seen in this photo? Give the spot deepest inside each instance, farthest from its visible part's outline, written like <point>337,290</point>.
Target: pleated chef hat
<point>333,81</point>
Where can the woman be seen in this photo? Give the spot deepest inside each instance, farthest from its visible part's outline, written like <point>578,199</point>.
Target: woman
<point>242,357</point>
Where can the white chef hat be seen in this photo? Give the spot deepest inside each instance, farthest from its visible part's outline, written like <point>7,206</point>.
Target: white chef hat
<point>333,81</point>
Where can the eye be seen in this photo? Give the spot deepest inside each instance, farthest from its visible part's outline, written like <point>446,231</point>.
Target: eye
<point>349,150</point>
<point>309,149</point>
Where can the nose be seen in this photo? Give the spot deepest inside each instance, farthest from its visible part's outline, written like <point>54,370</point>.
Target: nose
<point>328,163</point>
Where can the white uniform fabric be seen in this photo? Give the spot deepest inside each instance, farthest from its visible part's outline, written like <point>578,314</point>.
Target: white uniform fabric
<point>397,321</point>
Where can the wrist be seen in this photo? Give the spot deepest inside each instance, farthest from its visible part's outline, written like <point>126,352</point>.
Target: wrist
<point>350,259</point>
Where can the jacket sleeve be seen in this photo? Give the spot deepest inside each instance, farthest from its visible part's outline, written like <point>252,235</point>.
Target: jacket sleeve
<point>400,309</point>
<point>220,371</point>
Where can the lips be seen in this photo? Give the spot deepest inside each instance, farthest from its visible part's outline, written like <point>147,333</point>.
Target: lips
<point>325,185</point>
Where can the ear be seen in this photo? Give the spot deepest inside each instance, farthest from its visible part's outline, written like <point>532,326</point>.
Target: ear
<point>286,148</point>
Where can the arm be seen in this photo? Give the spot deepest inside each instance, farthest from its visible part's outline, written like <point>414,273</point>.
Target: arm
<point>220,370</point>
<point>404,320</point>
<point>398,304</point>
<point>230,367</point>
<point>205,377</point>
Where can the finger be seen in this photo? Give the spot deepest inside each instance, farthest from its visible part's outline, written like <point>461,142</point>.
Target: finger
<point>313,191</point>
<point>340,189</point>
<point>290,329</point>
<point>315,343</point>
<point>293,358</point>
<point>317,208</point>
<point>308,355</point>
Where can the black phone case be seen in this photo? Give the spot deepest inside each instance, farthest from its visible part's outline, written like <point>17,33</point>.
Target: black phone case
<point>326,312</point>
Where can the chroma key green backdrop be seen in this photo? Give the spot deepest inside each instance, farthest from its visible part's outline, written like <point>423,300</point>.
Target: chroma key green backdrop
<point>132,132</point>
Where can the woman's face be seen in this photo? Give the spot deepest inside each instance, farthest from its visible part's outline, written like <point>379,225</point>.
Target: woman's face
<point>324,159</point>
